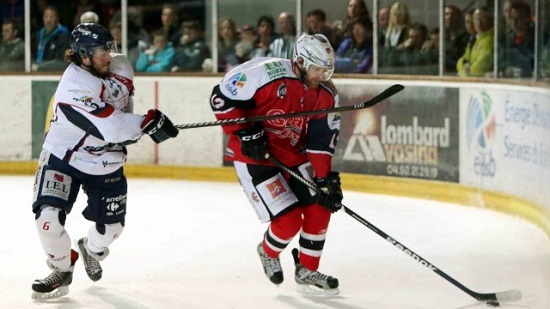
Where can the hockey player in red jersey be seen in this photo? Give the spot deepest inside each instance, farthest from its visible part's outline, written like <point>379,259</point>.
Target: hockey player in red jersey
<point>270,86</point>
<point>85,148</point>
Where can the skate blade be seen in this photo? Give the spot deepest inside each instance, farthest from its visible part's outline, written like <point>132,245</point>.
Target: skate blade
<point>311,290</point>
<point>59,292</point>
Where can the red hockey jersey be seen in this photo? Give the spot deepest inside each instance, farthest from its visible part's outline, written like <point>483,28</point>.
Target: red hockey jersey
<point>269,86</point>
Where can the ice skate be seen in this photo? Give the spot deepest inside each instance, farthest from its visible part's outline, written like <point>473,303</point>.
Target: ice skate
<point>272,267</point>
<point>91,259</point>
<point>313,282</point>
<point>56,284</point>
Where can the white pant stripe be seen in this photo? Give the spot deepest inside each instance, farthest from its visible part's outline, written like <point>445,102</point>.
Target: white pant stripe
<point>314,237</point>
<point>276,249</point>
<point>315,253</point>
<point>277,239</point>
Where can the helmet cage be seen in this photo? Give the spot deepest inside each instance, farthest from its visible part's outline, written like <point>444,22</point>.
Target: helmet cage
<point>315,50</point>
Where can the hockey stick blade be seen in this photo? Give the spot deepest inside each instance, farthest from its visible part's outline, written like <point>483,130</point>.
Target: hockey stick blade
<point>377,99</point>
<point>505,296</point>
<point>498,297</point>
<point>508,296</point>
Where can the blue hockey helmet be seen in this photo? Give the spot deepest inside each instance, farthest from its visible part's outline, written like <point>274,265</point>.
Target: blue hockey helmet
<point>87,37</point>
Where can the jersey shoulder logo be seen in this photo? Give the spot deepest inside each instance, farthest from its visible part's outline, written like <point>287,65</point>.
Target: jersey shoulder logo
<point>235,82</point>
<point>275,69</point>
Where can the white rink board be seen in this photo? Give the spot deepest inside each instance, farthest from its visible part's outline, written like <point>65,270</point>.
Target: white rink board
<point>15,118</point>
<point>185,100</point>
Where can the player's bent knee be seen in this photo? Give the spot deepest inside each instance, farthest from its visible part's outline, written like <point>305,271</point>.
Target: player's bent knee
<point>50,221</point>
<point>288,225</point>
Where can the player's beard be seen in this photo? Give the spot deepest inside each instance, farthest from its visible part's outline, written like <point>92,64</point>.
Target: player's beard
<point>309,82</point>
<point>101,71</point>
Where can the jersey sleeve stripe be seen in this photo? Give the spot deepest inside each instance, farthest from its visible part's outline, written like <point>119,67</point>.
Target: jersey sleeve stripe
<point>103,112</point>
<point>80,120</point>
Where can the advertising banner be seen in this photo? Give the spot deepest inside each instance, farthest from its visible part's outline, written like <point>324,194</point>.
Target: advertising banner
<point>412,134</point>
<point>42,93</point>
<point>505,144</point>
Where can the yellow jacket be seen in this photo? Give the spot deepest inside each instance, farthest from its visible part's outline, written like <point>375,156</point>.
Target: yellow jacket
<point>479,55</point>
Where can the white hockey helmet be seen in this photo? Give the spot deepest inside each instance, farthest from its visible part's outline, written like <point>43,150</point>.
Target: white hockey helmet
<point>315,50</point>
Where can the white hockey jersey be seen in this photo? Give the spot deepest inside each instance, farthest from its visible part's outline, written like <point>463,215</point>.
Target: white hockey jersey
<point>92,118</point>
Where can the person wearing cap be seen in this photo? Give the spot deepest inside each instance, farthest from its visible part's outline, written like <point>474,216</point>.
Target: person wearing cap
<point>193,50</point>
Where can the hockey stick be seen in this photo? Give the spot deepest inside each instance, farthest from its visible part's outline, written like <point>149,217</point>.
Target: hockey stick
<point>492,299</point>
<point>377,99</point>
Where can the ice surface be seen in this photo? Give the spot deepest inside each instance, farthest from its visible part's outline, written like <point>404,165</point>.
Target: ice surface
<point>193,245</point>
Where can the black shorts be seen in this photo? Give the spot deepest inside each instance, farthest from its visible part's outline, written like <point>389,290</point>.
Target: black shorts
<point>57,184</point>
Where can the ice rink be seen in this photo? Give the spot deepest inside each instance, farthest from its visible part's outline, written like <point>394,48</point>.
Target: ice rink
<point>193,245</point>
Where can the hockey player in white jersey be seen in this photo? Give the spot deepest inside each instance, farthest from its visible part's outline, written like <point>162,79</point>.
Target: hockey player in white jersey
<point>86,147</point>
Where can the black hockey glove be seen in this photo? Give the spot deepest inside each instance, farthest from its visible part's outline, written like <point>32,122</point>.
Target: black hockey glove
<point>332,196</point>
<point>253,143</point>
<point>158,126</point>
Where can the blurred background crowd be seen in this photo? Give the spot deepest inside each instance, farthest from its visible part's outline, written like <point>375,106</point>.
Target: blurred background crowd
<point>477,38</point>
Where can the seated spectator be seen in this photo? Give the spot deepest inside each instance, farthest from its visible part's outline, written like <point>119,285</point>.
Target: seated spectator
<point>283,46</point>
<point>470,29</point>
<point>383,20</point>
<point>227,40</point>
<point>478,59</point>
<point>12,48</point>
<point>82,7</point>
<point>354,55</point>
<point>169,21</point>
<point>456,38</point>
<point>398,26</point>
<point>410,55</point>
<point>517,53</point>
<point>505,19</point>
<point>158,58</point>
<point>416,37</point>
<point>247,37</point>
<point>396,34</point>
<point>432,42</point>
<point>316,23</point>
<point>192,51</point>
<point>49,43</point>
<point>132,53</point>
<point>342,28</point>
<point>265,35</point>
<point>430,49</point>
<point>137,35</point>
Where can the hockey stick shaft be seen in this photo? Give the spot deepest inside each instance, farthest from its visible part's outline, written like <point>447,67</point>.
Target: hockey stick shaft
<point>377,99</point>
<point>505,296</point>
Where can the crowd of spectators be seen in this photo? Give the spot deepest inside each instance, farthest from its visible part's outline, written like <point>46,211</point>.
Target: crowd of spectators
<point>405,46</point>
